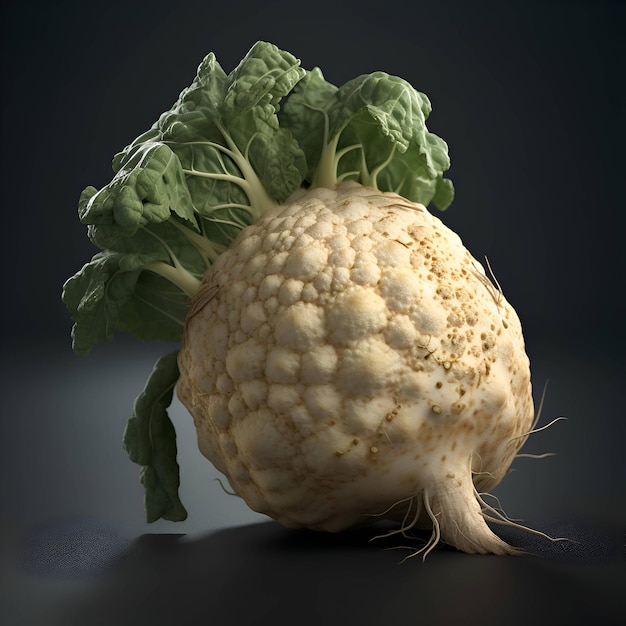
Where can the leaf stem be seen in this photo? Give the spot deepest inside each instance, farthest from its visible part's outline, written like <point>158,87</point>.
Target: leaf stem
<point>207,248</point>
<point>326,172</point>
<point>176,274</point>
<point>260,200</point>
<point>379,168</point>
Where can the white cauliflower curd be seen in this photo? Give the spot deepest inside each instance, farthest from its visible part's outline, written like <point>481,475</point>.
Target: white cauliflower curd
<point>347,354</point>
<point>344,357</point>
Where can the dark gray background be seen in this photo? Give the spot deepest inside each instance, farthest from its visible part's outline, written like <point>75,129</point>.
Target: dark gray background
<point>529,97</point>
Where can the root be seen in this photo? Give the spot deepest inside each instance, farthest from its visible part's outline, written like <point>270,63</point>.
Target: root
<point>435,536</point>
<point>452,506</point>
<point>492,286</point>
<point>459,513</point>
<point>230,493</point>
<point>541,402</point>
<point>480,472</point>
<point>500,296</point>
<point>500,517</point>
<point>406,525</point>
<point>533,427</point>
<point>536,430</point>
<point>490,474</point>
<point>391,508</point>
<point>500,508</point>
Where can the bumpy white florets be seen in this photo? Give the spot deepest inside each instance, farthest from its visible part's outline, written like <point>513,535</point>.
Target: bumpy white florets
<point>348,353</point>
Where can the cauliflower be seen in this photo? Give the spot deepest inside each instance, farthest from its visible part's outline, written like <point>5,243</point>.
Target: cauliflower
<point>344,357</point>
<point>347,355</point>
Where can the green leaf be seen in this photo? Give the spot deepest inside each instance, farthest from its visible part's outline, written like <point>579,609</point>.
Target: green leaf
<point>148,188</point>
<point>208,193</point>
<point>150,440</point>
<point>305,114</point>
<point>196,112</point>
<point>206,165</point>
<point>444,193</point>
<point>374,131</point>
<point>378,111</point>
<point>397,109</point>
<point>264,76</point>
<point>85,296</point>
<point>227,125</point>
<point>149,307</point>
<point>279,163</point>
<point>112,293</point>
<point>250,116</point>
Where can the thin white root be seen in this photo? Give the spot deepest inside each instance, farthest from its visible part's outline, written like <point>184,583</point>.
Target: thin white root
<point>527,455</point>
<point>458,514</point>
<point>230,493</point>
<point>536,430</point>
<point>391,508</point>
<point>500,508</point>
<point>541,402</point>
<point>435,536</point>
<point>479,472</point>
<point>490,474</point>
<point>454,508</point>
<point>406,525</point>
<point>502,519</point>
<point>500,295</point>
<point>494,290</point>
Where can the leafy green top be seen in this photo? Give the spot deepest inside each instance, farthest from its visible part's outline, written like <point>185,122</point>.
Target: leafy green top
<point>232,146</point>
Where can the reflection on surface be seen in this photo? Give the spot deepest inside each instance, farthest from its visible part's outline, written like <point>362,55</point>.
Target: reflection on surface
<point>263,573</point>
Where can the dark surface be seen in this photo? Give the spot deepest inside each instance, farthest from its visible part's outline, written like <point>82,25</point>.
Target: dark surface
<point>262,573</point>
<point>530,98</point>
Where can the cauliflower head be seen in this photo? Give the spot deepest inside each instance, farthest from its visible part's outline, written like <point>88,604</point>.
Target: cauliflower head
<point>347,354</point>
